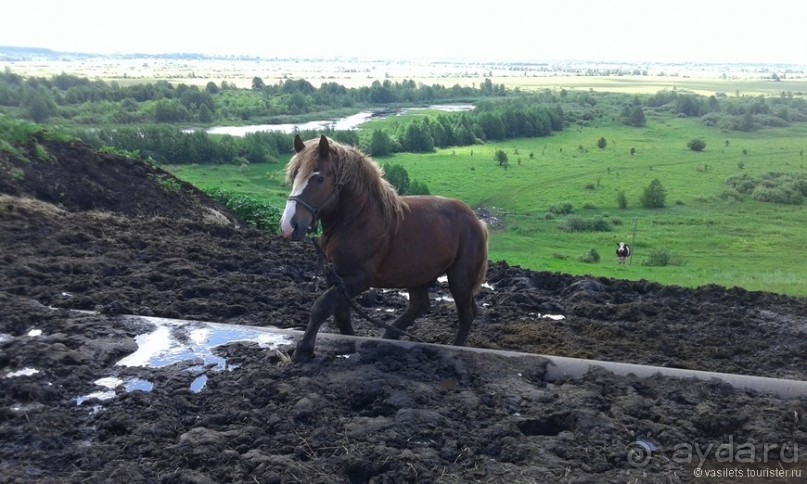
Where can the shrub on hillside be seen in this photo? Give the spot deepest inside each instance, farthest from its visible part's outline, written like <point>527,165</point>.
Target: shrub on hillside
<point>781,195</point>
<point>783,188</point>
<point>731,194</point>
<point>562,209</point>
<point>621,199</point>
<point>696,144</point>
<point>661,258</point>
<point>590,257</point>
<point>260,215</point>
<point>654,196</point>
<point>418,188</point>
<point>573,223</point>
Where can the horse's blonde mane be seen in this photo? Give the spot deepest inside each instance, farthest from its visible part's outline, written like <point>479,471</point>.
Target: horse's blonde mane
<point>356,173</point>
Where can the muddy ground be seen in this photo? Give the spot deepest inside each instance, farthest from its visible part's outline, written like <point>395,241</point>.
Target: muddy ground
<point>112,237</point>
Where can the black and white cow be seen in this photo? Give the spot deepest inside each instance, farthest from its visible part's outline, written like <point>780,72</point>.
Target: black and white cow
<point>622,252</point>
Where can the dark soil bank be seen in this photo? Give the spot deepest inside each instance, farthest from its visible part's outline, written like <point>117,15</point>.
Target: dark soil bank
<point>110,236</point>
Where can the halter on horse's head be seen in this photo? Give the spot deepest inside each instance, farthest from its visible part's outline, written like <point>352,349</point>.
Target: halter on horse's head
<point>322,173</point>
<point>315,187</point>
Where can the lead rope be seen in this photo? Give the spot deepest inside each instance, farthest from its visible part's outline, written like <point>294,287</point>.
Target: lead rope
<point>334,279</point>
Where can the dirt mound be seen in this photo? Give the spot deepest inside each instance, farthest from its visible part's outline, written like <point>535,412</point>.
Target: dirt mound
<point>86,231</point>
<point>74,177</point>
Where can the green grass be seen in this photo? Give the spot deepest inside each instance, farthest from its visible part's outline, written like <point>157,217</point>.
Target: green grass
<point>651,84</point>
<point>754,245</point>
<point>259,181</point>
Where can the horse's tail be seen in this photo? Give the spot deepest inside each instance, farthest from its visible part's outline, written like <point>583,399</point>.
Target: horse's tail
<point>483,266</point>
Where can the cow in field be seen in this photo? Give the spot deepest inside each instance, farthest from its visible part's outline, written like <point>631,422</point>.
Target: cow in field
<point>622,252</point>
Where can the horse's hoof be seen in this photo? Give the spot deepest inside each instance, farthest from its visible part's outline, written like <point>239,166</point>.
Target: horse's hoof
<point>302,356</point>
<point>391,335</point>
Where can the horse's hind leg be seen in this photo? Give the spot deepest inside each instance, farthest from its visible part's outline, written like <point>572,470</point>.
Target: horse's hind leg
<point>462,291</point>
<point>418,304</point>
<point>466,307</point>
<point>341,317</point>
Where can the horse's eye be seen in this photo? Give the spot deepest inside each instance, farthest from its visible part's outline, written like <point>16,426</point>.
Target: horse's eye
<point>318,179</point>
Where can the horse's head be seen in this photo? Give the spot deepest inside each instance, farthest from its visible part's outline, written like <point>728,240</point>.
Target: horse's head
<point>314,188</point>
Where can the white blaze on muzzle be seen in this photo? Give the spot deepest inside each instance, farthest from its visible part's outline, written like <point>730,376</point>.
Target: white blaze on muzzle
<point>297,188</point>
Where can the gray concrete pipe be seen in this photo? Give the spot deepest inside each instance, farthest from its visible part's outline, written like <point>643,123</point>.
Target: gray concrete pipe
<point>559,367</point>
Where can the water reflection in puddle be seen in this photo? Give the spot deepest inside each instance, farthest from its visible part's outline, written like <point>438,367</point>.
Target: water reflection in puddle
<point>111,383</point>
<point>22,372</point>
<point>198,383</point>
<point>172,342</point>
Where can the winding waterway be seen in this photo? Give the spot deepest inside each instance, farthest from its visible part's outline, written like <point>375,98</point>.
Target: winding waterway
<point>341,124</point>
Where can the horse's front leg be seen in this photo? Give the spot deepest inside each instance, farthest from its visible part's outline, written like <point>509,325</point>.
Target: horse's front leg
<point>324,306</point>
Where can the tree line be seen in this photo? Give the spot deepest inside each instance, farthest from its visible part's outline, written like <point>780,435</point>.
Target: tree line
<point>79,100</point>
<point>147,118</point>
<point>530,116</point>
<point>737,113</point>
<point>526,117</point>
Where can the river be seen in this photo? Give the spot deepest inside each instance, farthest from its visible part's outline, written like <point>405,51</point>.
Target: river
<point>341,124</point>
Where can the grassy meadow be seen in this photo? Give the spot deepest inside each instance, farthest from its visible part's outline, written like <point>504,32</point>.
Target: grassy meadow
<point>698,84</point>
<point>707,237</point>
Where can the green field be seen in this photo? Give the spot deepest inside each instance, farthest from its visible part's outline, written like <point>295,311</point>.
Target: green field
<point>750,86</point>
<point>709,238</point>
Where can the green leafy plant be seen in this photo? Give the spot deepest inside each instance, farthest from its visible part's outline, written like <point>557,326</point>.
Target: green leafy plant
<point>169,184</point>
<point>661,258</point>
<point>654,196</point>
<point>573,223</point>
<point>590,257</point>
<point>621,199</point>
<point>696,144</point>
<point>255,213</point>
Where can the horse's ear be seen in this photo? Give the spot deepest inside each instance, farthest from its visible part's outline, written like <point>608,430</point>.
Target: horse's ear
<point>324,149</point>
<point>298,143</point>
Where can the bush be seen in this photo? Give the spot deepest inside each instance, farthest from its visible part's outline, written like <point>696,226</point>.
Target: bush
<point>621,199</point>
<point>591,257</point>
<point>783,188</point>
<point>500,157</point>
<point>657,258</point>
<point>743,183</point>
<point>260,215</point>
<point>398,177</point>
<point>781,195</point>
<point>563,209</point>
<point>661,258</point>
<point>418,188</point>
<point>731,194</point>
<point>573,223</point>
<point>696,144</point>
<point>654,195</point>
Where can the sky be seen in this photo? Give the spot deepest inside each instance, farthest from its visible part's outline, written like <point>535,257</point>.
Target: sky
<point>702,31</point>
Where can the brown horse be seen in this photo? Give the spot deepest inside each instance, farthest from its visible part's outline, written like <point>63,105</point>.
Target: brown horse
<point>375,238</point>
